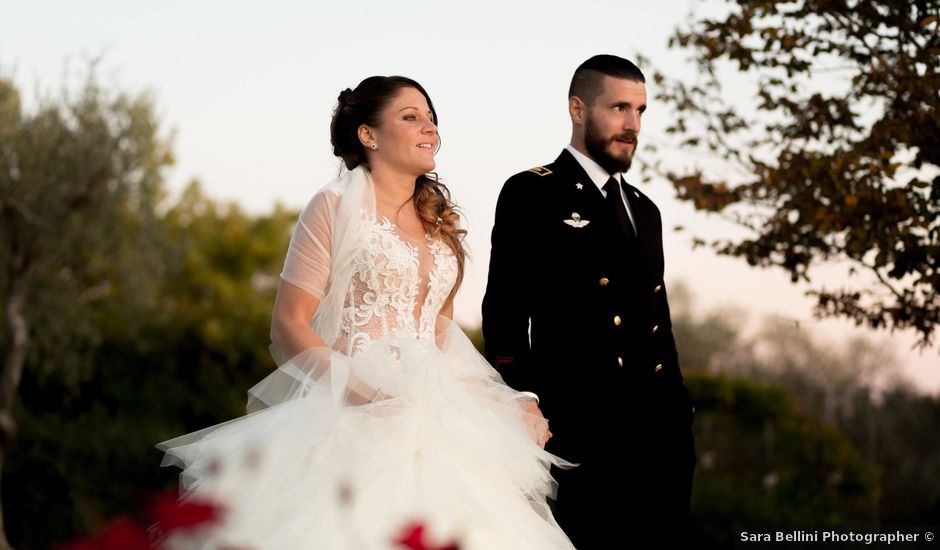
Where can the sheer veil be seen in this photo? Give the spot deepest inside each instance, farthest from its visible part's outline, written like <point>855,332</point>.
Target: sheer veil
<point>331,231</point>
<point>310,390</point>
<point>344,207</point>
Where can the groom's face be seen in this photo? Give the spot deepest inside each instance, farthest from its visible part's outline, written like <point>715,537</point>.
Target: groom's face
<point>612,124</point>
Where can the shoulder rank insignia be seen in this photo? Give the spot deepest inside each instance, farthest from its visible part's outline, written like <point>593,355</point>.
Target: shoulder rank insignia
<point>540,170</point>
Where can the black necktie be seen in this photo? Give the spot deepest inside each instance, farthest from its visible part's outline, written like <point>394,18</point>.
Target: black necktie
<point>615,200</point>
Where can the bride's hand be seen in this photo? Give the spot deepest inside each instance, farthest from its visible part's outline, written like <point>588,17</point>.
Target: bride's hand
<point>536,422</point>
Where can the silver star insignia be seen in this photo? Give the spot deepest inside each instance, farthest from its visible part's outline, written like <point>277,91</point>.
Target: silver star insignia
<point>579,186</point>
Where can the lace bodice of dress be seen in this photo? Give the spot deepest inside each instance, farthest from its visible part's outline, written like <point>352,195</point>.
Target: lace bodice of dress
<point>398,287</point>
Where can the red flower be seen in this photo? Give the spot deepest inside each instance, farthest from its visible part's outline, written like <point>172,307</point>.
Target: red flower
<point>171,514</point>
<point>412,537</point>
<point>120,534</point>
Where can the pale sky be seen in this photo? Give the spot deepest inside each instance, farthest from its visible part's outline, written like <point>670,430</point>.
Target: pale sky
<point>248,89</point>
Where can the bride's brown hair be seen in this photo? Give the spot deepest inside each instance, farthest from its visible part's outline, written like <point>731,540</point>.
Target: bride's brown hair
<point>363,105</point>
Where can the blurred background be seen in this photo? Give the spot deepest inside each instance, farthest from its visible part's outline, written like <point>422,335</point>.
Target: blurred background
<point>153,159</point>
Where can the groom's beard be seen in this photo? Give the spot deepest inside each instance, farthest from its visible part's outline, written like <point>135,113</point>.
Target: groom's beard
<point>598,146</point>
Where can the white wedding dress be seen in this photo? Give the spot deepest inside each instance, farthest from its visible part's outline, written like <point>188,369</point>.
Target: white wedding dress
<point>445,445</point>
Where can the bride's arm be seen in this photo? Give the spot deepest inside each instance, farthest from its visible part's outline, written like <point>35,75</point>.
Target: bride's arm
<point>292,335</point>
<point>290,320</point>
<point>303,280</point>
<point>440,329</point>
<point>448,311</point>
<point>302,287</point>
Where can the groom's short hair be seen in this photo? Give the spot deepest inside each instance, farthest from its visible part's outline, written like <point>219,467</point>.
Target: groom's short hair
<point>586,82</point>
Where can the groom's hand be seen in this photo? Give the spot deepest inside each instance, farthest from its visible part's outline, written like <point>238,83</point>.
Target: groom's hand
<point>536,422</point>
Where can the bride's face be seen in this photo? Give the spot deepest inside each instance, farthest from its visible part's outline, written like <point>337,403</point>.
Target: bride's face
<point>406,138</point>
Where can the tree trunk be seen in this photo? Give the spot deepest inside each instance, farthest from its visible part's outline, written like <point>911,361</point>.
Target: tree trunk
<point>17,337</point>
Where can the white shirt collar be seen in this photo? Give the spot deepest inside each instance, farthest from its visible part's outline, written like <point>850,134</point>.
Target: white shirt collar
<point>594,170</point>
<point>600,176</point>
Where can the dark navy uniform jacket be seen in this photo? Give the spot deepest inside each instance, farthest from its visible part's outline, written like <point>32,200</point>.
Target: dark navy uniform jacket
<point>577,312</point>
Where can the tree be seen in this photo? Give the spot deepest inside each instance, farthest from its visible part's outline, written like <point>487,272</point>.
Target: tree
<point>79,178</point>
<point>182,363</point>
<point>763,464</point>
<point>216,318</point>
<point>844,171</point>
<point>853,387</point>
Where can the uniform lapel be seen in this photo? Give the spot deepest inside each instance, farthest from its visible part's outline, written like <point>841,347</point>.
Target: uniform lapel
<point>593,201</point>
<point>574,173</point>
<point>641,216</point>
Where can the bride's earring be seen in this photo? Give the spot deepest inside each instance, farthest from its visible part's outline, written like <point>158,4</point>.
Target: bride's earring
<point>374,146</point>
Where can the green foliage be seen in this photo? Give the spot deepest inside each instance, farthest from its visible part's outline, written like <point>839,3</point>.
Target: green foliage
<point>187,365</point>
<point>779,393</point>
<point>80,259</point>
<point>765,464</point>
<point>846,171</point>
<point>146,320</point>
<point>898,431</point>
<point>79,179</point>
<point>219,299</point>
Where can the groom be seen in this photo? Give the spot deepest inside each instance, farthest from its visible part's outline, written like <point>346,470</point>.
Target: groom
<point>576,311</point>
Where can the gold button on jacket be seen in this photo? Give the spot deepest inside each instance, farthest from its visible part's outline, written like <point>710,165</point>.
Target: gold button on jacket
<point>617,320</point>
<point>604,281</point>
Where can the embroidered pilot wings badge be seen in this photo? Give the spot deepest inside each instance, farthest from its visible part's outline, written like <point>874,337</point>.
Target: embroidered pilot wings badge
<point>576,220</point>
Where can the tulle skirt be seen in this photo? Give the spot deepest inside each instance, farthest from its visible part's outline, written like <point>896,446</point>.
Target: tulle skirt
<point>447,447</point>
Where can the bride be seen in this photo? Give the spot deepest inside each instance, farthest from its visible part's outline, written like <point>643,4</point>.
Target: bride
<point>381,412</point>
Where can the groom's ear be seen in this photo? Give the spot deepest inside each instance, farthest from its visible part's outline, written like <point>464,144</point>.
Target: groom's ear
<point>577,110</point>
